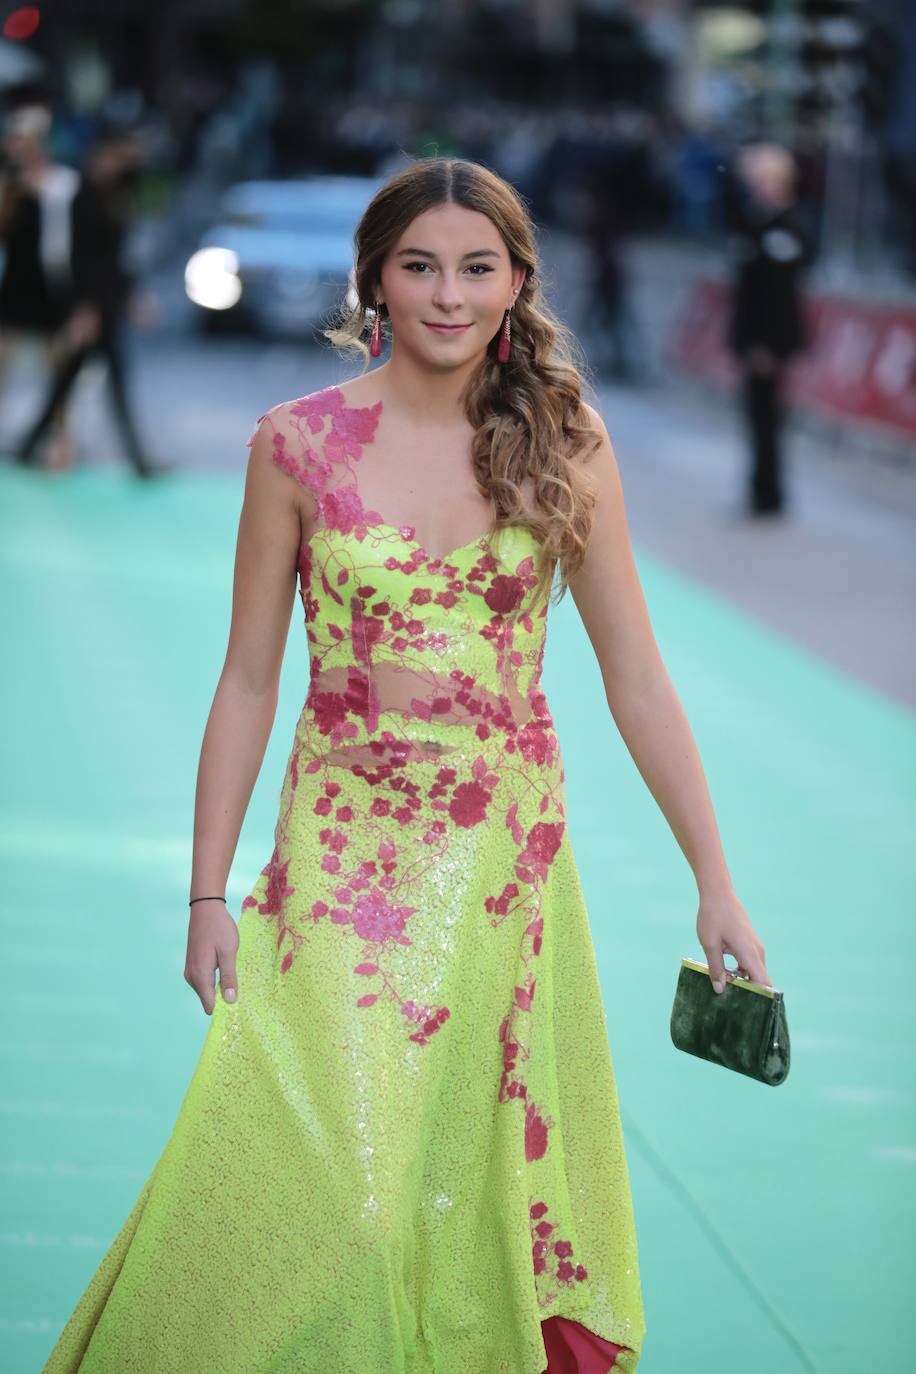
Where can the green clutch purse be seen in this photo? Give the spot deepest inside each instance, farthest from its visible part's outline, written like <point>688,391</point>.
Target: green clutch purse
<point>742,1028</point>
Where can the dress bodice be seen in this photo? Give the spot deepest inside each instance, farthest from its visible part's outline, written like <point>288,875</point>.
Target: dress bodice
<point>405,647</point>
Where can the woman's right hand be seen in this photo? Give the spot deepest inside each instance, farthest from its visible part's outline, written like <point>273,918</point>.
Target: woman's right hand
<point>213,939</point>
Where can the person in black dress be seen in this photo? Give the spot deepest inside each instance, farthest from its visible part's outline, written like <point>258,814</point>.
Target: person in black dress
<point>102,292</point>
<point>36,197</point>
<point>770,247</point>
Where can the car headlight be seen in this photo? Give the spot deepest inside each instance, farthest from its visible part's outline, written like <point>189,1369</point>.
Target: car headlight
<point>211,278</point>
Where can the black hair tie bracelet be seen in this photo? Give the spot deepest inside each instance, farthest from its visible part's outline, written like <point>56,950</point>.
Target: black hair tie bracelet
<point>205,899</point>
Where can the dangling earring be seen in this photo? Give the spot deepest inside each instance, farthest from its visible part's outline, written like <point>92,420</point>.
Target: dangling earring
<point>375,343</point>
<point>505,338</point>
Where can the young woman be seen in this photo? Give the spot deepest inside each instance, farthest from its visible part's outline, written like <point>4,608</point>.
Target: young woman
<point>401,1148</point>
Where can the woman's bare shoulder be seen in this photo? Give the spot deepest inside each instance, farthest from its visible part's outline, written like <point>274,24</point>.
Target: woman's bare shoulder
<point>592,419</point>
<point>361,390</point>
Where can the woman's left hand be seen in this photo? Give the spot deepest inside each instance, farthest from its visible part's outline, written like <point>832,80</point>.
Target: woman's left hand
<point>723,927</point>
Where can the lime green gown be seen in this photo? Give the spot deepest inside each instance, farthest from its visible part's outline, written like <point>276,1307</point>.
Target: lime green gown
<point>400,1151</point>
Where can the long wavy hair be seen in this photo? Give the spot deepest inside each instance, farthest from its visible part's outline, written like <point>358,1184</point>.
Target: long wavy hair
<point>527,414</point>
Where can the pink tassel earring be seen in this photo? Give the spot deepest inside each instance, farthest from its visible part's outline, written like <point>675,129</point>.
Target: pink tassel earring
<point>505,339</point>
<point>375,343</point>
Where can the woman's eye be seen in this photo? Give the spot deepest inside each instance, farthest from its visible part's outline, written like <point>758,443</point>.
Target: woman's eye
<point>475,267</point>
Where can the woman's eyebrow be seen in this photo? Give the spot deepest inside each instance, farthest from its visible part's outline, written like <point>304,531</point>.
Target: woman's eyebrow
<point>424,253</point>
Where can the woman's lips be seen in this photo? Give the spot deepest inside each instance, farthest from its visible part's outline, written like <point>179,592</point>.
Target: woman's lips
<point>447,328</point>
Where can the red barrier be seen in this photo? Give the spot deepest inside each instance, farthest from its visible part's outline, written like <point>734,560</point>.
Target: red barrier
<point>861,363</point>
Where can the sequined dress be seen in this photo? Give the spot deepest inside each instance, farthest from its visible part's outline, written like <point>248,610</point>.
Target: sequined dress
<point>400,1151</point>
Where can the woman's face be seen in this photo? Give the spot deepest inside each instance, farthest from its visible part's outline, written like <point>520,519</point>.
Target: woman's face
<point>447,283</point>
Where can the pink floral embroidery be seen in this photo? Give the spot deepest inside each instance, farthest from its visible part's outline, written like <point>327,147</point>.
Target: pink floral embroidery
<point>504,594</point>
<point>351,427</point>
<point>375,918</point>
<point>429,1021</point>
<point>343,510</point>
<point>536,744</point>
<point>468,805</point>
<point>540,850</point>
<point>277,889</point>
<point>551,1259</point>
<point>535,1133</point>
<point>330,709</point>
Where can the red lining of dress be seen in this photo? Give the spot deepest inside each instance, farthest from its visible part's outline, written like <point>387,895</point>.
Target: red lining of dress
<point>573,1349</point>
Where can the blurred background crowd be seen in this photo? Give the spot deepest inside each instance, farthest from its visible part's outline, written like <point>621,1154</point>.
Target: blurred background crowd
<point>648,97</point>
<point>197,168</point>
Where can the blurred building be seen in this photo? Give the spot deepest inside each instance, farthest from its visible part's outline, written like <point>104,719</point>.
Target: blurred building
<point>654,93</point>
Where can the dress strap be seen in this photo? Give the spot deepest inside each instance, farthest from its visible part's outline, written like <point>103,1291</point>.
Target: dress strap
<point>318,439</point>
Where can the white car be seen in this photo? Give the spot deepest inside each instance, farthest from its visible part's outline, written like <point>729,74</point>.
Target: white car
<point>280,257</point>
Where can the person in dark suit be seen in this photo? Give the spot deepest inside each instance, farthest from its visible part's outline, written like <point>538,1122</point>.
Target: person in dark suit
<point>769,246</point>
<point>102,292</point>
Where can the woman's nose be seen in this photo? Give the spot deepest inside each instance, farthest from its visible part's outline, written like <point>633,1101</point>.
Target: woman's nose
<point>447,293</point>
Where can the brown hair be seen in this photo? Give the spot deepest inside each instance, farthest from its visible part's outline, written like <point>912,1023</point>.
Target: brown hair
<point>527,413</point>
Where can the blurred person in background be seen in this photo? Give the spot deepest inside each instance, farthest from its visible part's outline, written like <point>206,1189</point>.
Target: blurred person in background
<point>36,196</point>
<point>614,334</point>
<point>769,247</point>
<point>102,292</point>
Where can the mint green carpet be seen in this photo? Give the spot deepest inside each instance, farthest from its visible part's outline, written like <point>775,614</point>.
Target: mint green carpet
<point>776,1226</point>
